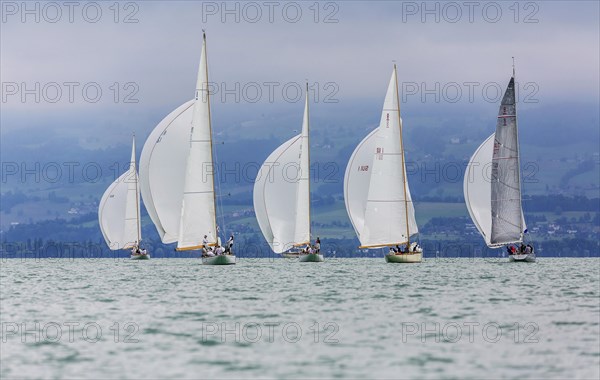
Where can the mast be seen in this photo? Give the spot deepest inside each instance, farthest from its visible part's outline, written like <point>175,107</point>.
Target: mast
<point>518,150</point>
<point>513,59</point>
<point>404,180</point>
<point>308,150</point>
<point>137,195</point>
<point>212,164</point>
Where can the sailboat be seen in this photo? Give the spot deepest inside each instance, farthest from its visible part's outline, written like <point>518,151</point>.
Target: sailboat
<point>177,176</point>
<point>282,197</point>
<point>494,202</point>
<point>376,189</point>
<point>119,213</point>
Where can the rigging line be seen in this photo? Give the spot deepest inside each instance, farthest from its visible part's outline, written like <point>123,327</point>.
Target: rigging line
<point>509,186</point>
<point>219,198</point>
<point>506,221</point>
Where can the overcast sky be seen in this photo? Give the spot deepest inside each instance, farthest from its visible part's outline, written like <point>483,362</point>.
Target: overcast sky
<point>352,44</point>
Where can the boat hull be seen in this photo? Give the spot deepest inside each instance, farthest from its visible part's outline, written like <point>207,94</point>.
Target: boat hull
<point>311,258</point>
<point>413,257</point>
<point>290,255</point>
<point>145,256</point>
<point>219,260</point>
<point>525,257</point>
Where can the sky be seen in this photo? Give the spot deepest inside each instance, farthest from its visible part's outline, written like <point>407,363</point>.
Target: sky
<point>100,66</point>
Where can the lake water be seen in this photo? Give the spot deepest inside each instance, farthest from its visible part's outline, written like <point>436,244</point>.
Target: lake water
<point>357,318</point>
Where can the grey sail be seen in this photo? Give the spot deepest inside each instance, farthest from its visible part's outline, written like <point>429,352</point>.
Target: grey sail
<point>507,212</point>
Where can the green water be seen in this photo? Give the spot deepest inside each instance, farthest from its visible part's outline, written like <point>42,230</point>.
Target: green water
<point>345,318</point>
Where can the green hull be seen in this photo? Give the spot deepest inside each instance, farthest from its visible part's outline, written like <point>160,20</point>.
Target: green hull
<point>140,257</point>
<point>219,260</point>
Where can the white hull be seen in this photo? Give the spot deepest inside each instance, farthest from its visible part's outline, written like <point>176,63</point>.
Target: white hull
<point>219,260</point>
<point>413,257</point>
<point>525,257</point>
<point>311,258</point>
<point>145,256</point>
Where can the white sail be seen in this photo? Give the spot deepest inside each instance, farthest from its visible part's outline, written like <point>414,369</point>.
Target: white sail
<point>357,180</point>
<point>507,212</point>
<point>161,175</point>
<point>478,190</point>
<point>164,165</point>
<point>282,193</point>
<point>302,231</point>
<point>380,209</point>
<point>492,181</point>
<point>119,210</point>
<point>198,213</point>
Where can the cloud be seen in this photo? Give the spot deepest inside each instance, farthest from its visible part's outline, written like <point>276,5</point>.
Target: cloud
<point>159,53</point>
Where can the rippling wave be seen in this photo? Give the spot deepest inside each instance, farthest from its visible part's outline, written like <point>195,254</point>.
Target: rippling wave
<point>346,318</point>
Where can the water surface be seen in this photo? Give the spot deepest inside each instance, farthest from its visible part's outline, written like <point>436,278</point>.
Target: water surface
<point>262,318</point>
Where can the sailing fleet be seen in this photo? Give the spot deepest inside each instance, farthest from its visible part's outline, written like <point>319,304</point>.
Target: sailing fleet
<point>177,183</point>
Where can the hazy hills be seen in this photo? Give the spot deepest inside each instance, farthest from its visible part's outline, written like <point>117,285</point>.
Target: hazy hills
<point>50,169</point>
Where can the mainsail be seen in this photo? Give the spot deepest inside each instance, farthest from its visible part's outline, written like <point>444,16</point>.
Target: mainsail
<point>177,171</point>
<point>376,191</point>
<point>198,213</point>
<point>282,192</point>
<point>492,183</point>
<point>119,210</point>
<point>507,213</point>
